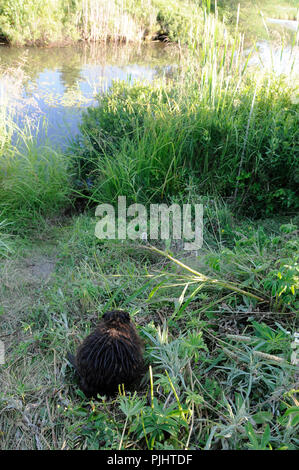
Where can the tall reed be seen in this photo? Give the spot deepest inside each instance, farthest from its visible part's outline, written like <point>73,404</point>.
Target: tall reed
<point>42,22</point>
<point>230,128</point>
<point>108,20</point>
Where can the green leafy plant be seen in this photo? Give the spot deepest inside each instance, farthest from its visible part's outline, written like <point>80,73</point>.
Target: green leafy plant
<point>284,284</point>
<point>258,442</point>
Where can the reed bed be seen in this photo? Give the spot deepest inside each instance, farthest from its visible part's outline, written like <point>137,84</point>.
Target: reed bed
<point>230,128</point>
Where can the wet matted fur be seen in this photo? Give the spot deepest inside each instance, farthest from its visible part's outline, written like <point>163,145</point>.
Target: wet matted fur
<point>111,355</point>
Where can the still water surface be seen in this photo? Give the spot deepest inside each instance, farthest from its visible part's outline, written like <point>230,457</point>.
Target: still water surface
<point>56,84</point>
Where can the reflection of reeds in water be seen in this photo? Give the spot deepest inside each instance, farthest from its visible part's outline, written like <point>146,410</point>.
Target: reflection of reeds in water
<point>31,175</point>
<point>10,90</point>
<point>13,105</point>
<point>153,53</point>
<point>36,59</point>
<point>103,20</point>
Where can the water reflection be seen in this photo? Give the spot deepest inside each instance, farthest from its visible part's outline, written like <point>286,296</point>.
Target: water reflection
<point>281,55</point>
<point>56,83</point>
<point>279,59</point>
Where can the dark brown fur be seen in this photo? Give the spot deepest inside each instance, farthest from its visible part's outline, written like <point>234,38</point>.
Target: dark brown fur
<point>109,356</point>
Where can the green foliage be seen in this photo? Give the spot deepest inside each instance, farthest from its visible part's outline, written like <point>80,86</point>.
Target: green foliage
<point>258,442</point>
<point>42,22</point>
<point>5,248</point>
<point>34,181</point>
<point>180,21</point>
<point>223,373</point>
<point>157,422</point>
<point>284,284</point>
<point>33,22</point>
<point>173,356</point>
<point>272,341</point>
<point>95,430</point>
<point>142,141</point>
<point>263,259</point>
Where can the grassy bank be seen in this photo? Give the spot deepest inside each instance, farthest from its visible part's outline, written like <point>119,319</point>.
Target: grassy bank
<point>219,327</point>
<point>253,16</point>
<point>42,22</point>
<point>170,139</point>
<point>218,128</point>
<point>58,22</point>
<point>283,10</point>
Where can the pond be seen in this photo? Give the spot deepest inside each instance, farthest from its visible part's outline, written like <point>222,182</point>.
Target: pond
<point>48,87</point>
<point>52,85</point>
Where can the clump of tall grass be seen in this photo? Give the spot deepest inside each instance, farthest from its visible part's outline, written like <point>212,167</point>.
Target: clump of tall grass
<point>34,22</point>
<point>42,22</point>
<point>114,20</point>
<point>34,180</point>
<point>232,129</point>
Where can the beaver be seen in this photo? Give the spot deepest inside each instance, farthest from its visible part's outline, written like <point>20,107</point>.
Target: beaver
<point>110,356</point>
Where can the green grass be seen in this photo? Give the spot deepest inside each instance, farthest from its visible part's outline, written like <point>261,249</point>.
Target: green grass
<point>284,9</point>
<point>48,22</point>
<point>222,375</point>
<point>220,130</point>
<point>253,13</point>
<point>34,178</point>
<point>218,325</point>
<point>34,182</point>
<point>43,22</point>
